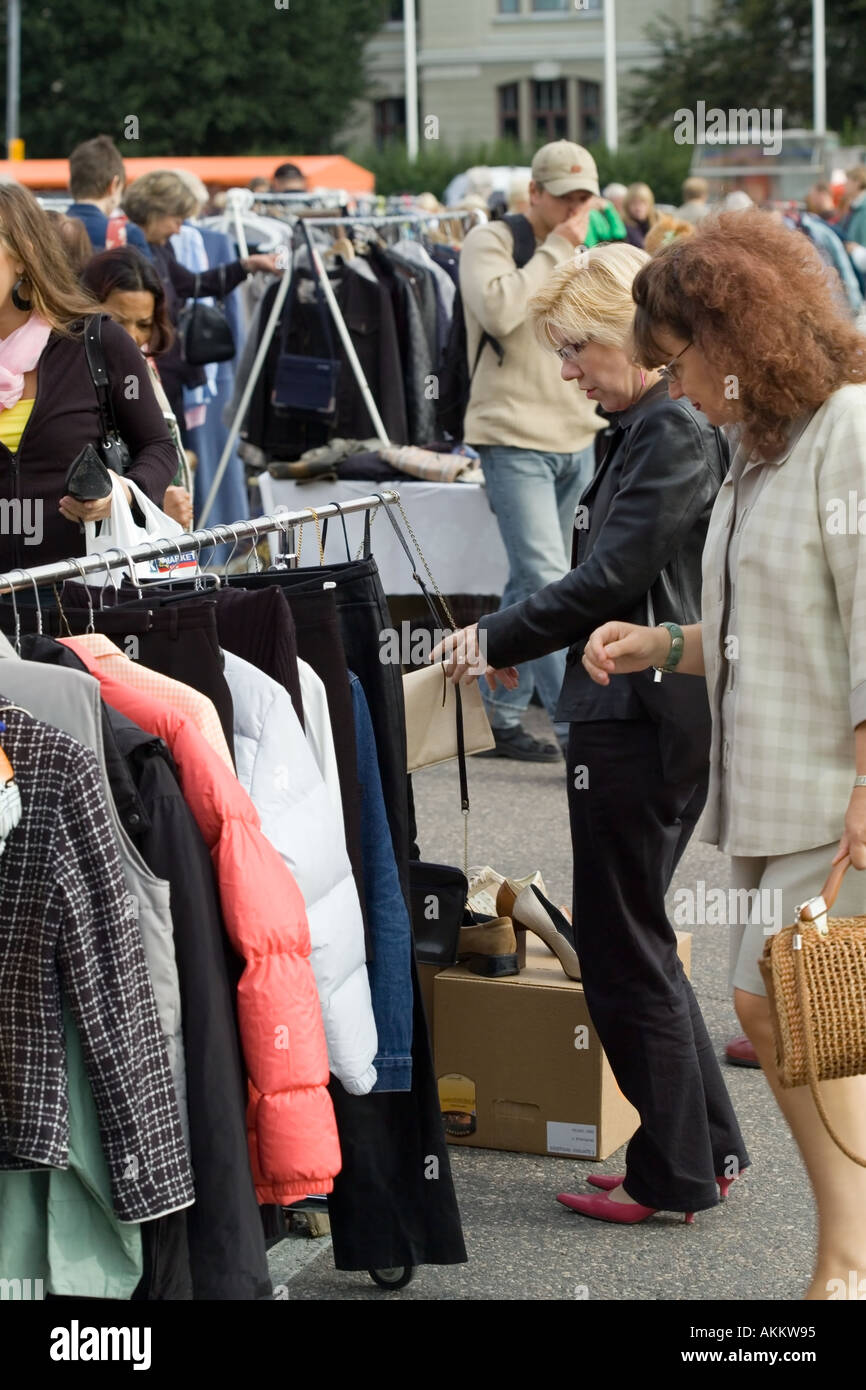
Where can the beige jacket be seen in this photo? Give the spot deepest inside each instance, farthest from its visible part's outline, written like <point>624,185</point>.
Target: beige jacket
<point>524,402</point>
<point>785,653</point>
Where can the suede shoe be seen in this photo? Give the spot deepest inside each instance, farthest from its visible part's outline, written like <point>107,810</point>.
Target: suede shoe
<point>489,948</point>
<point>514,742</point>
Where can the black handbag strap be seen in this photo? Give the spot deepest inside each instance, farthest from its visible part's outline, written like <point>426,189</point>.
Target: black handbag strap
<point>345,532</point>
<point>98,369</point>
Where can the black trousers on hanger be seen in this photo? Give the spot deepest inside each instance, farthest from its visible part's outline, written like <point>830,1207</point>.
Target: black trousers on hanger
<point>178,640</point>
<point>259,628</point>
<point>629,829</point>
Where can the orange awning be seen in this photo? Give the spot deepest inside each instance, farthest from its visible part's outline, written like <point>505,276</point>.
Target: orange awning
<point>230,171</point>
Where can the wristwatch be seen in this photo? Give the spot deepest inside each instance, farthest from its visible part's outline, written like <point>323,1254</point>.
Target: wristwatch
<point>677,644</point>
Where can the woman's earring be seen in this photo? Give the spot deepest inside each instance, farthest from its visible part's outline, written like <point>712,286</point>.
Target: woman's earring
<point>17,298</point>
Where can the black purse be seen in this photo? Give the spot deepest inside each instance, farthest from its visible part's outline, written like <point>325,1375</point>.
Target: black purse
<point>437,897</point>
<point>306,385</point>
<point>204,330</point>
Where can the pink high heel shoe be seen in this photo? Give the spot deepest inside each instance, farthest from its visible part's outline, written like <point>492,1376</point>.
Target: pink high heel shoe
<point>608,1181</point>
<point>602,1208</point>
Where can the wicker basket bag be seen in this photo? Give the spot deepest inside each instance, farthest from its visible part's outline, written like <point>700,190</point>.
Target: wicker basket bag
<point>815,974</point>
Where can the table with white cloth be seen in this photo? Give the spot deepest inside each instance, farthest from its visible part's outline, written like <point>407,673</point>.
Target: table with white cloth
<point>455,526</point>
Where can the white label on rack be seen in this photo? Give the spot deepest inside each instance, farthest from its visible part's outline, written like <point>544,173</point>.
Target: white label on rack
<point>581,1140</point>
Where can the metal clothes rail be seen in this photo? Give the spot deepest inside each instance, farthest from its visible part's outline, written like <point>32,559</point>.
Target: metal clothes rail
<point>43,575</point>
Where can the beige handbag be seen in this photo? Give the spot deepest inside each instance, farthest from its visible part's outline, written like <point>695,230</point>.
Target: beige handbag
<point>815,974</point>
<point>432,714</point>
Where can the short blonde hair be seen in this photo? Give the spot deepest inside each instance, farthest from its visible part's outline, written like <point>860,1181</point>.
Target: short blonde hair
<point>162,193</point>
<point>589,299</point>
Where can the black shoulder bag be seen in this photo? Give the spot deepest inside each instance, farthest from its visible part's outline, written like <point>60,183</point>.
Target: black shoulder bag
<point>87,477</point>
<point>204,330</point>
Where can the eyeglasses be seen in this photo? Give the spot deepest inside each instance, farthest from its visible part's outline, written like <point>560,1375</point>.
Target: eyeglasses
<point>571,351</point>
<point>670,372</point>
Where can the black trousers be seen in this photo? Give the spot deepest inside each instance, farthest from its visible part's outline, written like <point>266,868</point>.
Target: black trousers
<point>629,829</point>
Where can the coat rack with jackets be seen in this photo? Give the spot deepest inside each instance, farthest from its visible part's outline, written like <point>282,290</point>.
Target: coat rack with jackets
<point>214,834</point>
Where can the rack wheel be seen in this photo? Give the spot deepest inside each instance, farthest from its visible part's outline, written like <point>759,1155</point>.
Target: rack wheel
<point>393,1278</point>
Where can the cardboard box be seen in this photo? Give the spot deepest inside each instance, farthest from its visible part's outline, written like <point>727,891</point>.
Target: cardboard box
<point>519,1064</point>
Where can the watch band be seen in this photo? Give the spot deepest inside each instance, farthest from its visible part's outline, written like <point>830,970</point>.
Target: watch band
<point>677,645</point>
<point>860,781</point>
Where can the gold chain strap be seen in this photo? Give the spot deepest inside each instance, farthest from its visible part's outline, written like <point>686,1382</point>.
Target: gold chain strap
<point>315,516</point>
<point>436,590</point>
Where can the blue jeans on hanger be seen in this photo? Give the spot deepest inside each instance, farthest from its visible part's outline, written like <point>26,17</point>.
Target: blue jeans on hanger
<point>534,496</point>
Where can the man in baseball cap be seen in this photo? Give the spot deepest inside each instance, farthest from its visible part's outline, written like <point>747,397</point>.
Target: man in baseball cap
<point>534,436</point>
<point>563,168</point>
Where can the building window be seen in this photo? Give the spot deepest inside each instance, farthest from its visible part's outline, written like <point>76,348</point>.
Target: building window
<point>509,111</point>
<point>588,112</point>
<point>538,5</point>
<point>550,110</point>
<point>390,121</point>
<point>509,6</point>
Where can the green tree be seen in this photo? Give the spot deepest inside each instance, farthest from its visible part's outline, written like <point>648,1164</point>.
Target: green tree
<point>755,53</point>
<point>213,77</point>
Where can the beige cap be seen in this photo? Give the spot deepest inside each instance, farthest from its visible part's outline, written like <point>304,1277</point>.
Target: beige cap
<point>563,167</point>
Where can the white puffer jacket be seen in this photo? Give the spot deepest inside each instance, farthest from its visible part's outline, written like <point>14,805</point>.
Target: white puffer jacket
<point>278,771</point>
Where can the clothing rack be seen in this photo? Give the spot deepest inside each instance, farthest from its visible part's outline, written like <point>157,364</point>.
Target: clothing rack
<point>361,219</point>
<point>235,532</point>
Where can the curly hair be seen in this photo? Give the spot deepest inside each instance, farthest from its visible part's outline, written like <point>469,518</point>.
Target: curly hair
<point>761,305</point>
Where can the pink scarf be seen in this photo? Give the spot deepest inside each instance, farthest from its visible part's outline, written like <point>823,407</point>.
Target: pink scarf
<point>19,353</point>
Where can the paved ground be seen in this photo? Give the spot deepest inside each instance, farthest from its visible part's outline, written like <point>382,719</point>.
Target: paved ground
<point>521,1243</point>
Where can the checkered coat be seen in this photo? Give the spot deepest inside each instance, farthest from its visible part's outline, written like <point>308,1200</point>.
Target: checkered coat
<point>68,928</point>
<point>782,768</point>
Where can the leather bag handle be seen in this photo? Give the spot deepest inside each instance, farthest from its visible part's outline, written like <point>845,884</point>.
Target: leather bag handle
<point>820,906</point>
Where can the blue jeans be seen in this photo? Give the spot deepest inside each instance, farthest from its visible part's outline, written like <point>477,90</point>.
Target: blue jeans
<point>534,497</point>
<point>390,970</point>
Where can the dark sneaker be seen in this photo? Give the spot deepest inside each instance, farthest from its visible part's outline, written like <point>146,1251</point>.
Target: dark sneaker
<point>515,742</point>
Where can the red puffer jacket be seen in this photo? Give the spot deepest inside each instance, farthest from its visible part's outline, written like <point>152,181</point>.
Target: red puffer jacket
<point>294,1148</point>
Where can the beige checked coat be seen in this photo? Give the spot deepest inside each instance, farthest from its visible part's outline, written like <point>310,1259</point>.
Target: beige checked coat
<point>785,653</point>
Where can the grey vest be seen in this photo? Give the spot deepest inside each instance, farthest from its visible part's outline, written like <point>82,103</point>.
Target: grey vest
<point>70,701</point>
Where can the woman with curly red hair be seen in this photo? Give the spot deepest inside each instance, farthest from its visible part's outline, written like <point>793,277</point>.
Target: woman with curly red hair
<point>749,323</point>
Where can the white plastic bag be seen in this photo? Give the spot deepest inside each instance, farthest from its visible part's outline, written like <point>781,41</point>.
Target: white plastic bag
<point>121,532</point>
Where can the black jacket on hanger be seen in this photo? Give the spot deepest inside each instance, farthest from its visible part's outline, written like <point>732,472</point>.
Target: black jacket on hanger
<point>366,307</point>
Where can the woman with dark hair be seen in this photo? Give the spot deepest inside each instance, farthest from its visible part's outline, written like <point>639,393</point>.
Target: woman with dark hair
<point>128,287</point>
<point>48,404</point>
<point>753,330</point>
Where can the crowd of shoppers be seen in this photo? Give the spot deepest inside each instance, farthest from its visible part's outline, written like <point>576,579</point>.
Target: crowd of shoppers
<point>701,548</point>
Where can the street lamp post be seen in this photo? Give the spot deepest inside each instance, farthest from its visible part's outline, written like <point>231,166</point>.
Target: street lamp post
<point>411,59</point>
<point>13,75</point>
<point>611,125</point>
<point>819,69</point>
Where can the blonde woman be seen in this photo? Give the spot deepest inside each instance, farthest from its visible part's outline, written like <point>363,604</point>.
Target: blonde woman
<point>640,212</point>
<point>638,752</point>
<point>782,637</point>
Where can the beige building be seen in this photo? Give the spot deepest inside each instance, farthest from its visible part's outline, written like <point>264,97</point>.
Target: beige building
<point>527,69</point>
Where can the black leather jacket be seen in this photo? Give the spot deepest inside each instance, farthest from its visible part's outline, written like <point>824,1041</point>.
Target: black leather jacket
<point>640,528</point>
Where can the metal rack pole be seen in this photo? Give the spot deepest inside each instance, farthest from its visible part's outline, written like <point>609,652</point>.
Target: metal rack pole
<point>60,570</point>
